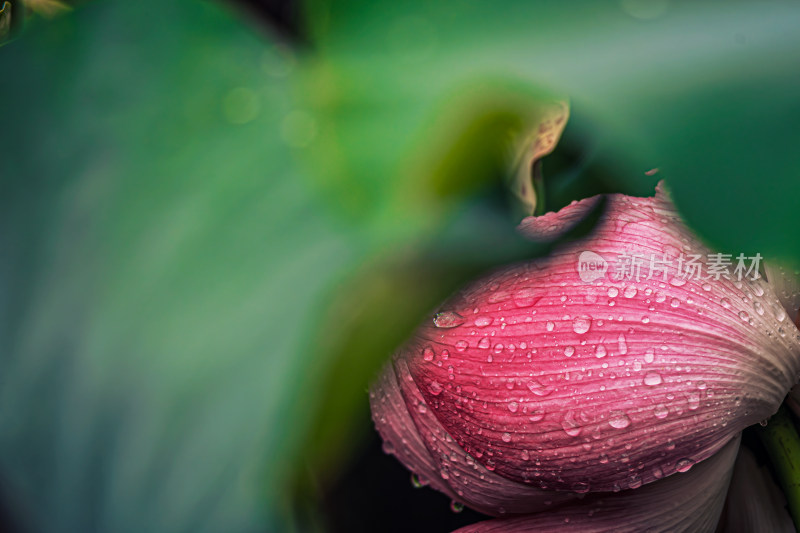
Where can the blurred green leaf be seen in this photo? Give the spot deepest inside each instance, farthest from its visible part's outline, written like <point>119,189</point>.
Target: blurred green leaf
<point>162,255</point>
<point>704,91</point>
<point>181,294</point>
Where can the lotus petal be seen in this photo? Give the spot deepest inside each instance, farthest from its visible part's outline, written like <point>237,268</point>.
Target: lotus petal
<point>689,502</point>
<point>553,376</point>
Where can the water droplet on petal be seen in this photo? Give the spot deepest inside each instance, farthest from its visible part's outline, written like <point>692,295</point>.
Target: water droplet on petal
<point>582,324</point>
<point>526,297</point>
<point>513,407</point>
<point>758,307</point>
<point>428,353</point>
<point>600,351</point>
<point>623,346</point>
<point>725,303</point>
<point>619,420</point>
<point>613,292</point>
<point>569,351</point>
<point>416,482</point>
<point>456,507</point>
<point>645,319</point>
<point>634,481</point>
<point>661,411</point>
<point>694,400</point>
<point>683,465</point>
<point>677,281</point>
<point>461,346</point>
<point>435,388</point>
<point>706,287</point>
<point>630,291</point>
<point>675,302</point>
<point>483,321</point>
<point>506,437</point>
<point>550,326</point>
<point>484,343</point>
<point>652,379</point>
<point>448,319</point>
<point>570,425</point>
<point>649,355</point>
<point>538,388</point>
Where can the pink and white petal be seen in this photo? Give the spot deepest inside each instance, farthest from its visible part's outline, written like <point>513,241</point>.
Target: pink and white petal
<point>553,224</point>
<point>418,440</point>
<point>755,504</point>
<point>688,502</point>
<point>551,381</point>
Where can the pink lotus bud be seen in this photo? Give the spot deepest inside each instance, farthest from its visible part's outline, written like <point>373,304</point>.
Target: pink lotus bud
<point>620,359</point>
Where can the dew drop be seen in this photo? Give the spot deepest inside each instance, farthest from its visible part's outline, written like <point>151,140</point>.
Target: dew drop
<point>619,420</point>
<point>435,388</point>
<point>570,426</point>
<point>693,400</point>
<point>706,287</point>
<point>456,507</point>
<point>758,307</point>
<point>677,282</point>
<point>726,303</point>
<point>634,481</point>
<point>582,324</point>
<point>525,297</point>
<point>506,437</point>
<point>645,319</point>
<point>484,343</point>
<point>569,351</point>
<point>613,292</point>
<point>683,465</point>
<point>483,321</point>
<point>535,415</point>
<point>461,346</point>
<point>622,344</point>
<point>661,411</point>
<point>600,351</point>
<point>513,407</point>
<point>550,326</point>
<point>538,388</point>
<point>416,482</point>
<point>629,292</point>
<point>652,379</point>
<point>428,353</point>
<point>649,355</point>
<point>448,319</point>
<point>675,302</point>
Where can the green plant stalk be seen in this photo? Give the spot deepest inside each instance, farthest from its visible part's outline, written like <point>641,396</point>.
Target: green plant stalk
<point>782,443</point>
